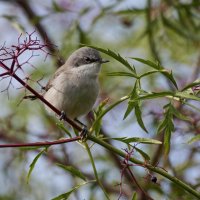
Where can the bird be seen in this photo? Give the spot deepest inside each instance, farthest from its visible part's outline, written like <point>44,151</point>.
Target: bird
<point>74,87</point>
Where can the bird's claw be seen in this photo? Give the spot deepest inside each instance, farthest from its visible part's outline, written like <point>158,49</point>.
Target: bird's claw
<point>84,133</point>
<point>62,116</point>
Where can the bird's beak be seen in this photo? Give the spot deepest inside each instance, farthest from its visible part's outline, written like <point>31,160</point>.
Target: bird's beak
<point>104,61</point>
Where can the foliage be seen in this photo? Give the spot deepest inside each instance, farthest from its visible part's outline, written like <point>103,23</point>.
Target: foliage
<point>151,85</point>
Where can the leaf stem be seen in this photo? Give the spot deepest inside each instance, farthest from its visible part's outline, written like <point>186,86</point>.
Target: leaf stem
<point>95,170</point>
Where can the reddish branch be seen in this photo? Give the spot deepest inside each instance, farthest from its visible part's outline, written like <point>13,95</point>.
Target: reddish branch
<point>32,16</point>
<point>41,144</point>
<point>11,56</point>
<point>126,166</point>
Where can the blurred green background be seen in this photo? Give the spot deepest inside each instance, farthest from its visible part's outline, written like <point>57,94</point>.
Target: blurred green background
<point>163,31</point>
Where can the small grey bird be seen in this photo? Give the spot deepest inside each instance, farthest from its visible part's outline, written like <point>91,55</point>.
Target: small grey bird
<point>74,87</point>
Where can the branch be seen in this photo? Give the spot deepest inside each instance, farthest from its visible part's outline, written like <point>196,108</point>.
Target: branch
<point>41,144</point>
<point>32,16</point>
<point>12,54</point>
<point>158,170</point>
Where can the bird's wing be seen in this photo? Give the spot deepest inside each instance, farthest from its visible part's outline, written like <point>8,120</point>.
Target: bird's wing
<point>51,80</point>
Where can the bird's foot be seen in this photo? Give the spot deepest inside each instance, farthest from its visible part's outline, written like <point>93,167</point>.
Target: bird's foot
<point>62,116</point>
<point>84,133</point>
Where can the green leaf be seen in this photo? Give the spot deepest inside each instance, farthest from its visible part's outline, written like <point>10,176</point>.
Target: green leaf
<point>121,74</point>
<point>194,139</point>
<point>170,76</point>
<point>100,109</point>
<point>161,125</point>
<point>65,196</point>
<point>178,29</point>
<point>32,148</point>
<point>185,95</point>
<point>179,115</point>
<point>167,138</point>
<point>106,111</point>
<point>32,165</point>
<point>14,21</point>
<point>143,154</point>
<point>149,63</point>
<point>150,72</point>
<point>130,11</point>
<point>134,95</point>
<point>116,57</point>
<point>167,126</point>
<point>160,69</point>
<point>134,197</point>
<point>137,139</point>
<point>138,114</point>
<point>56,7</point>
<point>132,104</point>
<point>60,124</point>
<point>155,95</point>
<point>73,171</point>
<point>195,83</point>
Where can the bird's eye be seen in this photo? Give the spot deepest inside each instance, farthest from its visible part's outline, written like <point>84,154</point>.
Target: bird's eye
<point>87,59</point>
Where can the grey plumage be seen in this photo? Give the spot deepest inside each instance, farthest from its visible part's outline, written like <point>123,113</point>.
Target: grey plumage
<point>74,86</point>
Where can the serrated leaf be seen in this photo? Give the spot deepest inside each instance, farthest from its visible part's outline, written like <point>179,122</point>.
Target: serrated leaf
<point>137,139</point>
<point>117,57</point>
<point>143,154</point>
<point>73,171</point>
<point>194,139</point>
<point>149,63</point>
<point>65,196</point>
<point>32,165</point>
<point>138,115</point>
